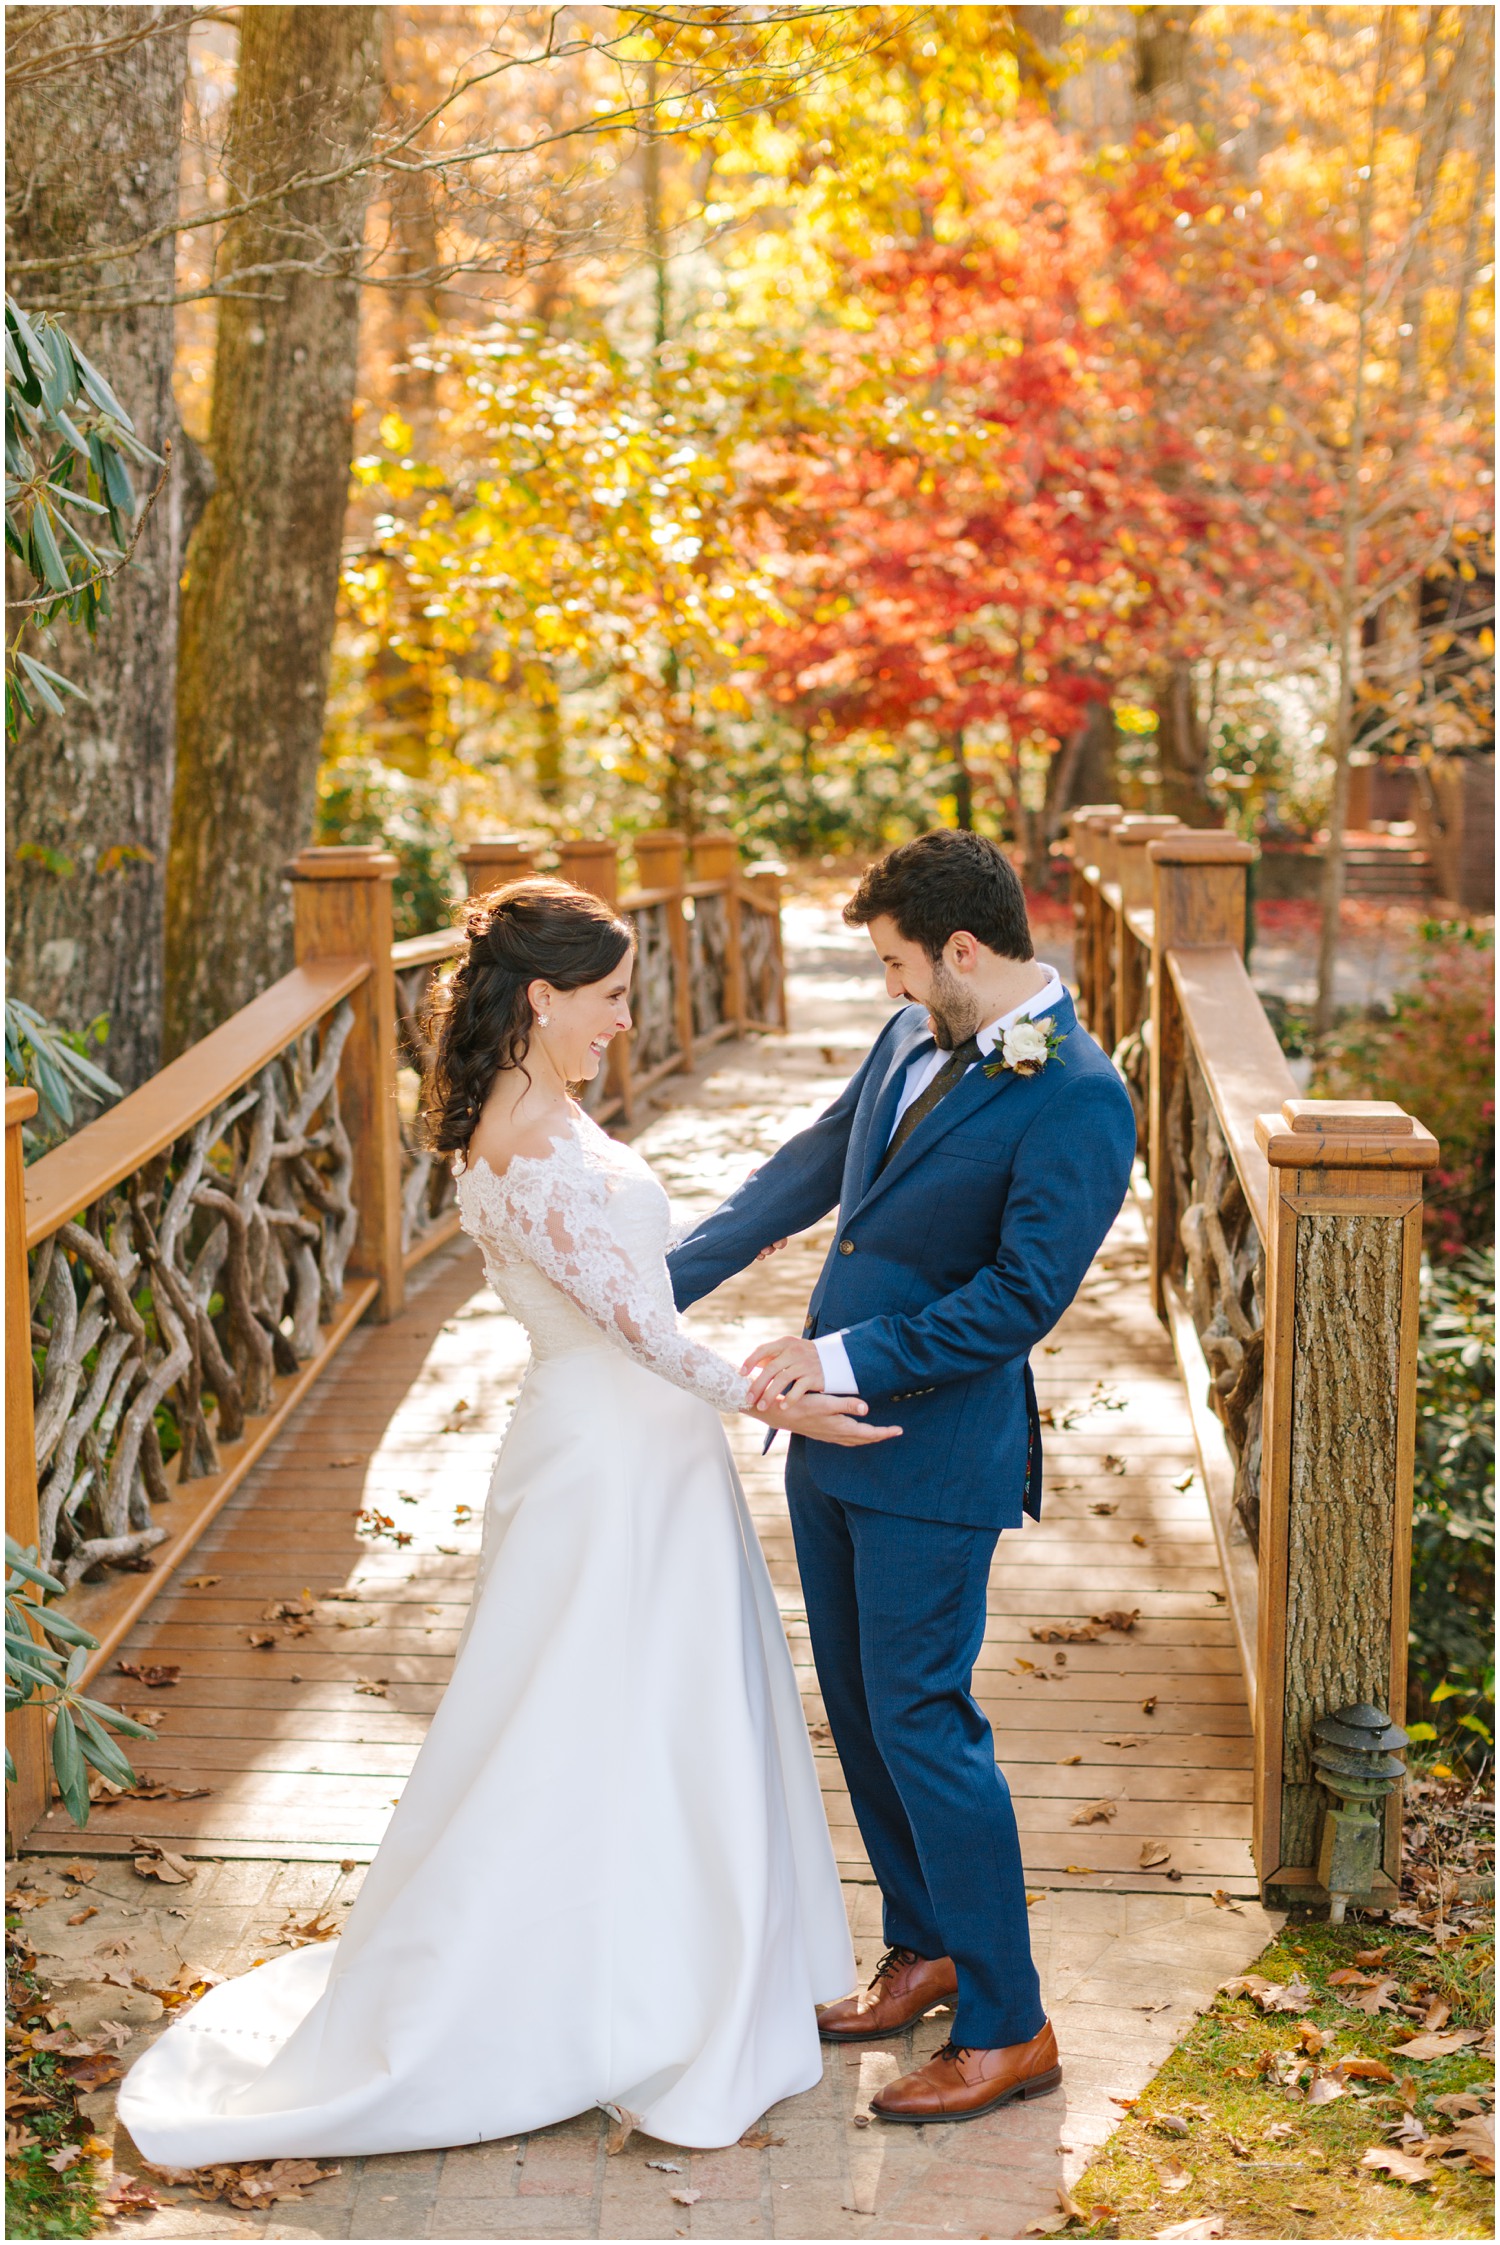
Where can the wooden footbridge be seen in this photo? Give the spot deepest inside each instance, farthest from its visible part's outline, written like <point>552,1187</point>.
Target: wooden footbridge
<point>266,1494</point>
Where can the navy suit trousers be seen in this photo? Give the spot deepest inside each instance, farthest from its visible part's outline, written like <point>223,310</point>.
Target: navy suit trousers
<point>896,1611</point>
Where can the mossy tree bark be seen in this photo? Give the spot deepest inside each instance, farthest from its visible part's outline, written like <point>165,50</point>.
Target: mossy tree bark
<point>262,583</point>
<point>91,155</point>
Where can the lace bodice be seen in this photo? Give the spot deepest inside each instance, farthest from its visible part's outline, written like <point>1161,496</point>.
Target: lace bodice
<point>574,1243</point>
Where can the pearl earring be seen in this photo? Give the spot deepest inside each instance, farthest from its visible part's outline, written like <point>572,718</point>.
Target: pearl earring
<point>542,1020</point>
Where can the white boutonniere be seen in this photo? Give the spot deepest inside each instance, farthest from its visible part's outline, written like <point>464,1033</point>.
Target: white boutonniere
<point>1026,1047</point>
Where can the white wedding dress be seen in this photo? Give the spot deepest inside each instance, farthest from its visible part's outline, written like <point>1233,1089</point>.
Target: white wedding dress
<point>609,1880</point>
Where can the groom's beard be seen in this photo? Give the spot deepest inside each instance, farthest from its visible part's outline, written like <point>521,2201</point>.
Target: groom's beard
<point>954,1013</point>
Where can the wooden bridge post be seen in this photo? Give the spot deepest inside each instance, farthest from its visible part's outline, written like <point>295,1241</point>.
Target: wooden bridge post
<point>765,877</point>
<point>26,1730</point>
<point>716,857</point>
<point>495,859</point>
<point>661,861</point>
<point>592,862</point>
<point>1198,898</point>
<point>1134,879</point>
<point>1343,1256</point>
<point>1095,823</point>
<point>341,899</point>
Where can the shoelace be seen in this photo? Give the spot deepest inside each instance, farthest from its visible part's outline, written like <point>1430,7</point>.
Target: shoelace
<point>953,2050</point>
<point>894,1960</point>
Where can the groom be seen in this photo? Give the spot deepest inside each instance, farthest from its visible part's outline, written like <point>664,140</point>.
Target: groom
<point>978,1158</point>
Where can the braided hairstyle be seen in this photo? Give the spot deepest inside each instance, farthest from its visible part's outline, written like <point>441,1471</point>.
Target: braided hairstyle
<point>478,1019</point>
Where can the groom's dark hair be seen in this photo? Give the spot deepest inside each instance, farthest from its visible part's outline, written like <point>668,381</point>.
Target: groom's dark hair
<point>940,883</point>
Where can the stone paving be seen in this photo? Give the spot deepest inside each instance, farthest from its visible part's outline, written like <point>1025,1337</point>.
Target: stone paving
<point>1123,1972</point>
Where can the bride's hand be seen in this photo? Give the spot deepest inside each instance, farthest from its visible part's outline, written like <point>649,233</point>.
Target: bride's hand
<point>824,1418</point>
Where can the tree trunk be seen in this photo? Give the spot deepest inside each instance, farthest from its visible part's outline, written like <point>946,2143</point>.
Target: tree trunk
<point>92,156</point>
<point>262,584</point>
<point>1182,750</point>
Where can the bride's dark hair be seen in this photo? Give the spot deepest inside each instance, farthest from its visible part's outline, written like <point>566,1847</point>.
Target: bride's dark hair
<point>478,1019</point>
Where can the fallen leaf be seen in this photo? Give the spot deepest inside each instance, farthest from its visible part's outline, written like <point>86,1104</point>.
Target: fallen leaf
<point>1477,2137</point>
<point>81,1917</point>
<point>200,1582</point>
<point>155,1678</point>
<point>1104,1508</point>
<point>1148,1706</point>
<point>760,2138</point>
<point>1400,2165</point>
<point>126,2196</point>
<point>348,1863</point>
<point>1079,1870</point>
<point>1435,2016</point>
<point>686,2197</point>
<point>1173,2176</point>
<point>1281,2132</point>
<point>152,1717</point>
<point>1113,1463</point>
<point>1186,1482</point>
<point>1170,2124</point>
<point>374,1687</point>
<point>1222,1901</point>
<point>1153,1854</point>
<point>1313,2039</point>
<point>1324,2087</point>
<point>1118,1618</point>
<point>1071,2210</point>
<point>1094,1812</point>
<point>1424,2048</point>
<point>1457,2104</point>
<point>1138,1539</point>
<point>1271,1995</point>
<point>1069,1761</point>
<point>66,2156</point>
<point>1202,2225</point>
<point>316,1928</point>
<point>1163,2003</point>
<point>172,1870</point>
<point>1125,1738</point>
<point>1371,1956</point>
<point>82,1874</point>
<point>1365,2069</point>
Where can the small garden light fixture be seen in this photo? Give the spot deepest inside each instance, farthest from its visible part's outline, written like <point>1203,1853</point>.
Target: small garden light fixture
<point>1356,1758</point>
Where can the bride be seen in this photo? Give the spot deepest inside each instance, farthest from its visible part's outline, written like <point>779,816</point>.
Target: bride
<point>609,1880</point>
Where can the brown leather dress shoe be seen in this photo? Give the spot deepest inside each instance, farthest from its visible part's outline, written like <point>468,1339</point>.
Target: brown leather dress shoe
<point>905,1985</point>
<point>959,2084</point>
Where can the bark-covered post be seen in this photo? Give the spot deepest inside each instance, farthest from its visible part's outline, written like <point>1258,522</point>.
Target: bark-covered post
<point>342,907</point>
<point>1343,1258</point>
<point>26,1729</point>
<point>1085,901</point>
<point>1198,898</point>
<point>1134,878</point>
<point>765,877</point>
<point>93,146</point>
<point>716,857</point>
<point>493,860</point>
<point>661,861</point>
<point>1098,828</point>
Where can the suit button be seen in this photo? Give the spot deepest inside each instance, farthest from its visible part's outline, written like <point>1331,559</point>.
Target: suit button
<point>846,1247</point>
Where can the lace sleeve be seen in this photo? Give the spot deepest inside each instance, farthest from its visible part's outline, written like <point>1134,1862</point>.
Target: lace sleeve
<point>553,1208</point>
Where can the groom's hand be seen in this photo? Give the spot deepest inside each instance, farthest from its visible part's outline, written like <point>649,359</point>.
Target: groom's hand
<point>784,1369</point>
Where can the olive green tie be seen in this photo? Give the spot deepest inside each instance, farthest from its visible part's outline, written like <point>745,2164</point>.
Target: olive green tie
<point>954,1067</point>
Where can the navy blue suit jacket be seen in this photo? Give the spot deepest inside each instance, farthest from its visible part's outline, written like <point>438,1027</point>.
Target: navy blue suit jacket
<point>949,1265</point>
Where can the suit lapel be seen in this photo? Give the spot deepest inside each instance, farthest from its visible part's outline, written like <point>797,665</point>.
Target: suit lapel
<point>882,1110</point>
<point>963,1100</point>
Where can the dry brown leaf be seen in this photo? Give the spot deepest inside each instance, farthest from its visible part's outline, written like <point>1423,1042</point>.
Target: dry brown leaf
<point>1153,1854</point>
<point>1435,2016</point>
<point>1477,2137</point>
<point>759,2138</point>
<point>82,1874</point>
<point>154,1676</point>
<point>622,2126</point>
<point>348,1863</point>
<point>1140,1540</point>
<point>1400,2165</point>
<point>200,1582</point>
<point>1458,2104</point>
<point>1094,1812</point>
<point>374,1687</point>
<point>1424,2048</point>
<point>1313,2039</point>
<point>1069,1761</point>
<point>1170,2124</point>
<point>156,1863</point>
<point>127,2196</point>
<point>81,1917</point>
<point>1223,1901</point>
<point>1080,1870</point>
<point>1148,1706</point>
<point>1173,2176</point>
<point>686,2197</point>
<point>1118,1619</point>
<point>1324,2087</point>
<point>1201,2225</point>
<point>1125,1738</point>
<point>319,1927</point>
<point>1365,2069</point>
<point>1371,1956</point>
<point>1070,2208</point>
<point>152,1717</point>
<point>1104,1508</point>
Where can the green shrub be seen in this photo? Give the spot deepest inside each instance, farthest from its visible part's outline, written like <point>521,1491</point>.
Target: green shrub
<point>1434,1053</point>
<point>1453,1529</point>
<point>362,800</point>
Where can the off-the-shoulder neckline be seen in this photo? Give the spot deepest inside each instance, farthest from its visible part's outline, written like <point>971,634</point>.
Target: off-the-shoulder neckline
<point>569,1137</point>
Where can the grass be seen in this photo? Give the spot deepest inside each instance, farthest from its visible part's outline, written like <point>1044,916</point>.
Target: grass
<point>42,2116</point>
<point>1255,2152</point>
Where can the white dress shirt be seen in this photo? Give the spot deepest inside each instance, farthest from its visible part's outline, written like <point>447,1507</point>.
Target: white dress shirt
<point>838,1373</point>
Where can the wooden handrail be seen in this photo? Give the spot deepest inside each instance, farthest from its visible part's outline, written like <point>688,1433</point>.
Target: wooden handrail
<point>1242,1063</point>
<point>75,1175</point>
<point>427,950</point>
